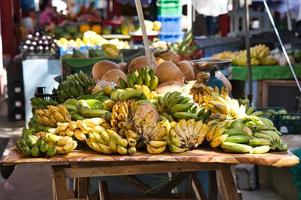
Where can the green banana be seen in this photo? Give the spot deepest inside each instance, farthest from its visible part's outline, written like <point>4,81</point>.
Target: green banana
<point>184,115</point>
<point>237,124</point>
<point>259,142</point>
<point>35,151</point>
<point>175,149</point>
<point>122,83</point>
<point>243,139</point>
<point>232,132</point>
<point>264,136</point>
<point>97,113</point>
<point>257,113</point>
<point>235,148</point>
<point>75,116</point>
<point>154,83</point>
<point>250,110</point>
<point>181,107</point>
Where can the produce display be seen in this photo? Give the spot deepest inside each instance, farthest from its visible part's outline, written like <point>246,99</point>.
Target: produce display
<point>130,113</point>
<point>260,55</point>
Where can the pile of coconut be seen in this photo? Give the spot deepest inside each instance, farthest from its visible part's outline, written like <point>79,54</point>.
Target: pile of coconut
<point>171,71</point>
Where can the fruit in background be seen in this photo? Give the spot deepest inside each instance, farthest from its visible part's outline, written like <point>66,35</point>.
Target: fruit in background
<point>168,71</point>
<point>96,28</point>
<point>78,54</point>
<point>156,26</point>
<point>101,67</point>
<point>114,75</point>
<point>110,50</point>
<point>107,30</point>
<point>187,70</point>
<point>169,56</point>
<point>95,53</point>
<point>70,28</point>
<point>84,27</point>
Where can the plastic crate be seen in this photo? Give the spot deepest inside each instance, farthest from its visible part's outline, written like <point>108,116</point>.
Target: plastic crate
<point>269,114</point>
<point>169,8</point>
<point>170,24</point>
<point>171,37</point>
<point>288,123</point>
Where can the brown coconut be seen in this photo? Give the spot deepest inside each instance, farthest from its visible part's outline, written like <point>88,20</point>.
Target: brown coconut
<point>114,75</point>
<point>123,66</point>
<point>101,67</point>
<point>187,70</point>
<point>168,71</point>
<point>169,86</point>
<point>170,56</point>
<point>141,62</point>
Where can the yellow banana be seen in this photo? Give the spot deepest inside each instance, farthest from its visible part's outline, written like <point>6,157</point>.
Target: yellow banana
<point>157,144</point>
<point>215,142</point>
<point>69,132</point>
<point>69,147</point>
<point>64,140</point>
<point>210,133</point>
<point>79,135</point>
<point>105,149</point>
<point>58,116</point>
<point>132,142</point>
<point>60,150</point>
<point>132,150</point>
<point>105,136</point>
<point>153,150</point>
<point>121,150</point>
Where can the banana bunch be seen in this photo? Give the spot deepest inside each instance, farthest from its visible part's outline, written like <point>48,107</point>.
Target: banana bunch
<point>223,107</point>
<point>62,144</point>
<point>147,92</point>
<point>39,103</point>
<point>145,76</point>
<point>74,86</point>
<point>81,128</point>
<point>185,135</point>
<point>199,91</point>
<point>155,136</point>
<point>51,115</point>
<point>236,136</point>
<point>175,105</point>
<point>89,108</point>
<point>109,142</point>
<point>33,146</point>
<point>126,94</point>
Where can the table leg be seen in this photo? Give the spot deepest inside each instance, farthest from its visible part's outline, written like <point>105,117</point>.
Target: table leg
<point>226,181</point>
<point>82,187</point>
<point>198,188</point>
<point>59,185</point>
<point>212,193</point>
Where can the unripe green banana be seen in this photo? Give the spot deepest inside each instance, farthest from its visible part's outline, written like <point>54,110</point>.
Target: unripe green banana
<point>174,149</point>
<point>35,151</point>
<point>181,107</point>
<point>243,139</point>
<point>132,150</point>
<point>259,142</point>
<point>121,150</point>
<point>232,132</point>
<point>235,148</point>
<point>184,115</point>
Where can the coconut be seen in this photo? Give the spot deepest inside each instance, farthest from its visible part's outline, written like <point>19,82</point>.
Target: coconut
<point>169,86</point>
<point>101,67</point>
<point>170,56</point>
<point>141,62</point>
<point>114,75</point>
<point>187,70</point>
<point>168,71</point>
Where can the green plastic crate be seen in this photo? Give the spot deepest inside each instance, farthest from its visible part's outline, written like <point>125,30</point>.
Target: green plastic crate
<point>169,8</point>
<point>289,123</point>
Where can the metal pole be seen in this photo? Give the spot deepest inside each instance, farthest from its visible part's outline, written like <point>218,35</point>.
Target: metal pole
<point>281,44</point>
<point>247,43</point>
<point>149,55</point>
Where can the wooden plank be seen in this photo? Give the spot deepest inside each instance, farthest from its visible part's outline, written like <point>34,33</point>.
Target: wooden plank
<point>60,185</point>
<point>227,184</point>
<point>198,188</point>
<point>137,169</point>
<point>277,159</point>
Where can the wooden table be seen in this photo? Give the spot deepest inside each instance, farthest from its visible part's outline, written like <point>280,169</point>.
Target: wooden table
<point>81,164</point>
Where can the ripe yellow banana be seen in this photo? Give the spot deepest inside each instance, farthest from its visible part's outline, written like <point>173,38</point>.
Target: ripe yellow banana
<point>153,150</point>
<point>132,142</point>
<point>64,140</point>
<point>69,147</point>
<point>157,144</point>
<point>215,142</point>
<point>79,135</point>
<point>132,150</point>
<point>105,149</point>
<point>122,150</point>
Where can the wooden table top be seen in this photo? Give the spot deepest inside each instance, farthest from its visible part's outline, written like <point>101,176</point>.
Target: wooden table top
<point>276,159</point>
